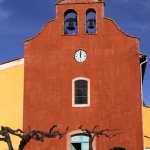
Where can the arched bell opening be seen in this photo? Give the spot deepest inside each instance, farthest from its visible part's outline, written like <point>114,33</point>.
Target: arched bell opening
<point>70,22</point>
<point>90,21</point>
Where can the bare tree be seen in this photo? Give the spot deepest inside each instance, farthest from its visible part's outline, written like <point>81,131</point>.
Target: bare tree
<point>53,134</point>
<point>5,132</point>
<point>39,136</point>
<point>32,134</point>
<point>92,134</point>
<point>147,137</point>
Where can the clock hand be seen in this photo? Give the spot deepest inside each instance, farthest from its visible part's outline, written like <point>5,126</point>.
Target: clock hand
<point>80,54</point>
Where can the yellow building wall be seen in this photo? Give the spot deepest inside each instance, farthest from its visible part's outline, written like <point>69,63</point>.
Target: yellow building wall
<point>11,98</point>
<point>146,121</point>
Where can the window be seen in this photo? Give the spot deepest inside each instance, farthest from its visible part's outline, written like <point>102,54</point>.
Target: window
<point>70,22</point>
<point>90,21</point>
<point>80,92</point>
<point>79,142</point>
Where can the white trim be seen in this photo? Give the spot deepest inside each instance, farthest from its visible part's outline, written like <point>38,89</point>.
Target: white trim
<point>12,64</point>
<point>73,100</point>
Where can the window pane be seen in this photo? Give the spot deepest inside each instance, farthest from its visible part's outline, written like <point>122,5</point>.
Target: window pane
<point>79,142</point>
<point>81,92</point>
<point>85,138</point>
<point>85,146</point>
<point>75,146</point>
<point>81,84</point>
<point>76,138</point>
<point>80,100</point>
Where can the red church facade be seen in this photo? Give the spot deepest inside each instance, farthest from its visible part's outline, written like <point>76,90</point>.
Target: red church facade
<point>91,77</point>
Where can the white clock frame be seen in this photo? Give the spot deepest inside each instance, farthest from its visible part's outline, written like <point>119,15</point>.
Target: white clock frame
<point>80,55</point>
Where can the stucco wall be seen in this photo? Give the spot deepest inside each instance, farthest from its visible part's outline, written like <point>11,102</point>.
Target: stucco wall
<point>112,67</point>
<point>146,119</point>
<point>11,98</point>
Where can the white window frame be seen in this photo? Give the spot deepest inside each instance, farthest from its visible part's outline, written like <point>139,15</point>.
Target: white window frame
<point>73,92</point>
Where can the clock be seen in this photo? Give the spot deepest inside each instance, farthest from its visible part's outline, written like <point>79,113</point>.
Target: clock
<point>80,55</point>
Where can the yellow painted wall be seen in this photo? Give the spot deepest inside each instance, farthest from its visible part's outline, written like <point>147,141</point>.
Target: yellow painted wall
<point>146,121</point>
<point>11,98</point>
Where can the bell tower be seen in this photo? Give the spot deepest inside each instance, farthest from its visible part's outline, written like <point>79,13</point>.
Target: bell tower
<point>82,69</point>
<point>80,16</point>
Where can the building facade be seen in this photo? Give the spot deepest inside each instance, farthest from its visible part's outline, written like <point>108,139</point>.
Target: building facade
<point>12,85</point>
<point>11,98</point>
<point>81,69</point>
<point>146,121</point>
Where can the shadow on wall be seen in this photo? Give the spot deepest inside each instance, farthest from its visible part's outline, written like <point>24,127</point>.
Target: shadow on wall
<point>117,148</point>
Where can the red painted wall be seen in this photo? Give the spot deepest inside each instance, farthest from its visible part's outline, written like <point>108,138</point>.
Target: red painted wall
<point>112,67</point>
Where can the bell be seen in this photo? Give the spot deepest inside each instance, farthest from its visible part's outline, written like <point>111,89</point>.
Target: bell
<point>71,25</point>
<point>91,25</point>
<point>65,32</point>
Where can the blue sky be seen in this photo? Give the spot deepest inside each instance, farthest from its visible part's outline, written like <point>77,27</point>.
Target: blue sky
<point>22,19</point>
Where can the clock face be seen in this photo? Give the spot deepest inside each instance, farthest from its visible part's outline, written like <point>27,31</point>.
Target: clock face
<point>80,55</point>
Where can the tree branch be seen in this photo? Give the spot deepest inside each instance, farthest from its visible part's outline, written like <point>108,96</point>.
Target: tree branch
<point>92,134</point>
<point>52,128</point>
<point>146,136</point>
